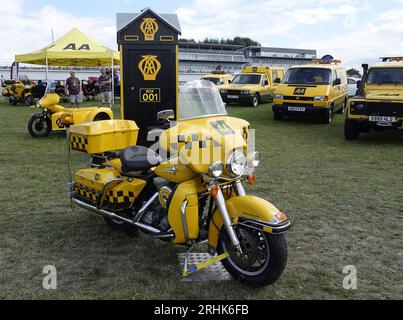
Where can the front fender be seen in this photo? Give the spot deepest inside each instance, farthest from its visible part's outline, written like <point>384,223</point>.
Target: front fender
<point>252,212</point>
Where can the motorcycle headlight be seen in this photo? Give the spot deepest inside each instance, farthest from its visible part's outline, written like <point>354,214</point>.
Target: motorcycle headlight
<point>216,169</point>
<point>278,97</point>
<point>237,163</point>
<point>254,159</point>
<point>319,98</point>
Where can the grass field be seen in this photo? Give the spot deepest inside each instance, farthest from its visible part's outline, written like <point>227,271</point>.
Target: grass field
<point>345,199</point>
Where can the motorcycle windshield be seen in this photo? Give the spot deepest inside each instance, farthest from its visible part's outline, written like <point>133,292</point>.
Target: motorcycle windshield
<point>198,99</point>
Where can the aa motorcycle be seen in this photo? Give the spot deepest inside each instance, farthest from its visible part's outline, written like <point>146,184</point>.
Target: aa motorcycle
<point>187,188</point>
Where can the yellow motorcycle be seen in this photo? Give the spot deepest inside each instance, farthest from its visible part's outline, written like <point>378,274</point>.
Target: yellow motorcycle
<point>20,92</point>
<point>187,188</point>
<point>55,117</point>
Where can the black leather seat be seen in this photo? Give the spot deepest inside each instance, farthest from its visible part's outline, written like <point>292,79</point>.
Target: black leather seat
<point>138,158</point>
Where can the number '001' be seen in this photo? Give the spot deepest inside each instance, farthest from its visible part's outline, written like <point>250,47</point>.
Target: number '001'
<point>150,97</point>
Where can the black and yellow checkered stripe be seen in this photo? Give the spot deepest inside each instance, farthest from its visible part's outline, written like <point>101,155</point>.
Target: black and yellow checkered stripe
<point>194,141</point>
<point>86,192</point>
<point>78,143</point>
<point>119,198</point>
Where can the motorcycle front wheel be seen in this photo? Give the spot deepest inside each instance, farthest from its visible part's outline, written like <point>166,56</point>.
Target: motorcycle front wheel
<point>39,126</point>
<point>263,258</point>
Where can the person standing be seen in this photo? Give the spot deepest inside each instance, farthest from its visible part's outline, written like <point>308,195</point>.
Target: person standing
<point>73,89</point>
<point>105,87</point>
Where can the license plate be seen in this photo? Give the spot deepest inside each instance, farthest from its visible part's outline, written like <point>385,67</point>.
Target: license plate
<point>299,109</point>
<point>382,119</point>
<point>231,96</point>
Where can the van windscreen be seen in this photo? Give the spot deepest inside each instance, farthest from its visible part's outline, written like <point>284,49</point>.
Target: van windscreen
<point>247,79</point>
<point>315,76</point>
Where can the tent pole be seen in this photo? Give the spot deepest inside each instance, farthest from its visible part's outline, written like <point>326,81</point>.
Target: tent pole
<point>47,70</point>
<point>113,84</point>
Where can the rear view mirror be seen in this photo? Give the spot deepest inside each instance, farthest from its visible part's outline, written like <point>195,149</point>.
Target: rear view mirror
<point>337,82</point>
<point>365,66</point>
<point>165,116</point>
<point>277,80</point>
<point>359,83</point>
<point>266,82</point>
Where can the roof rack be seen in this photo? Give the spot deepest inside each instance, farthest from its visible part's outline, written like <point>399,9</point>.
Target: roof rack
<point>391,59</point>
<point>326,61</point>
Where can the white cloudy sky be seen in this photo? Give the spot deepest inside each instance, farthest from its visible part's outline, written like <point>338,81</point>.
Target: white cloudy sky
<point>355,31</point>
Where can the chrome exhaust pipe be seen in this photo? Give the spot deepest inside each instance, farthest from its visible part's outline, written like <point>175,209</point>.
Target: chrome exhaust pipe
<point>155,232</point>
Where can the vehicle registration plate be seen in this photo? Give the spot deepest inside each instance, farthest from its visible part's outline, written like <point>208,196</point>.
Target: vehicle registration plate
<point>299,109</point>
<point>382,119</point>
<point>231,96</point>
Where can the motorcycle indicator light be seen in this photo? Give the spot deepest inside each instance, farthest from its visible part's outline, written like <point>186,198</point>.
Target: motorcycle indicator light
<point>213,190</point>
<point>251,180</point>
<point>280,216</point>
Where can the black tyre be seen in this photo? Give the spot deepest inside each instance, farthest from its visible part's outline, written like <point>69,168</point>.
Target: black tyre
<point>102,116</point>
<point>351,130</point>
<point>328,117</point>
<point>255,100</point>
<point>29,101</point>
<point>263,260</point>
<point>39,126</point>
<point>121,226</point>
<point>278,116</point>
<point>12,101</point>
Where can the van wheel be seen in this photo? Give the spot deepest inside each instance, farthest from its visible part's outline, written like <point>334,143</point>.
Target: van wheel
<point>278,116</point>
<point>328,117</point>
<point>351,130</point>
<point>255,100</point>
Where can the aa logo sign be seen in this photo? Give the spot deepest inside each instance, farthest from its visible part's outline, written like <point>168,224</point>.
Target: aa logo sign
<point>72,46</point>
<point>149,27</point>
<point>149,67</point>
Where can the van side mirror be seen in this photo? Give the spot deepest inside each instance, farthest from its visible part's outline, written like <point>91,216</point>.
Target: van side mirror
<point>359,83</point>
<point>364,66</point>
<point>266,82</point>
<point>337,82</point>
<point>229,81</point>
<point>165,116</point>
<point>277,80</point>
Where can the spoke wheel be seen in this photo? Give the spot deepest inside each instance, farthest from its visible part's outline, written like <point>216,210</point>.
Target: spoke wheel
<point>39,126</point>
<point>263,258</point>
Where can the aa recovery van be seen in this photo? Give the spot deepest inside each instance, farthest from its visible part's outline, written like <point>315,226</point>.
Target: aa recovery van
<point>253,85</point>
<point>378,104</point>
<point>318,89</point>
<point>219,78</point>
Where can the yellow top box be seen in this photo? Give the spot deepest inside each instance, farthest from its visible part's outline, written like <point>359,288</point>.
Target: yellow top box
<point>103,136</point>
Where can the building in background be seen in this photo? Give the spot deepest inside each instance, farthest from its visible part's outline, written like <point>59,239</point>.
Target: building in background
<point>195,60</point>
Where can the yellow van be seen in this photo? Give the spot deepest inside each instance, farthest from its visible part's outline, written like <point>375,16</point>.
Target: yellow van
<point>253,85</point>
<point>378,104</point>
<point>319,89</point>
<point>219,78</point>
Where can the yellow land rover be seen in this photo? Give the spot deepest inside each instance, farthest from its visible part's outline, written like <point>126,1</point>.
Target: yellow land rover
<point>318,89</point>
<point>379,101</point>
<point>219,78</point>
<point>253,85</point>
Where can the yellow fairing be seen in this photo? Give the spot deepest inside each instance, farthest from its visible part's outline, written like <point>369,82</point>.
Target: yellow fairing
<point>174,171</point>
<point>249,207</point>
<point>185,193</point>
<point>200,142</point>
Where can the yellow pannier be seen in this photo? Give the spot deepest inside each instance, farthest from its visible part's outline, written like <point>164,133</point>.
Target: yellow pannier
<point>102,136</point>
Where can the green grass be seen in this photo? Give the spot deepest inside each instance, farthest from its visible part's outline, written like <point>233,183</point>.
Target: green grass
<point>344,198</point>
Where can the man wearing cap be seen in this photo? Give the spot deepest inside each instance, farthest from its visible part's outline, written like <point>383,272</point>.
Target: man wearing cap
<point>73,89</point>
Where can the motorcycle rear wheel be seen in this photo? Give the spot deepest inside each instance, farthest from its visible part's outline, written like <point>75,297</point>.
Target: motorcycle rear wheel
<point>121,226</point>
<point>263,260</point>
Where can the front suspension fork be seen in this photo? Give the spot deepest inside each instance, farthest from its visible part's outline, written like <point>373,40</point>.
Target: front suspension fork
<point>222,208</point>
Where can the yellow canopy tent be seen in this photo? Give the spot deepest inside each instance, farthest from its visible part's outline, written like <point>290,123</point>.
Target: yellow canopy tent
<point>73,49</point>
